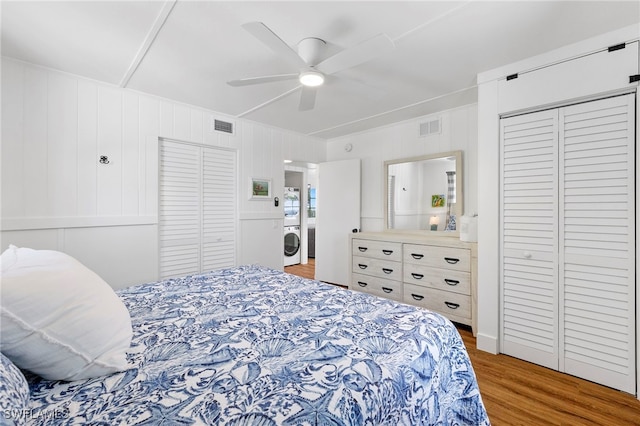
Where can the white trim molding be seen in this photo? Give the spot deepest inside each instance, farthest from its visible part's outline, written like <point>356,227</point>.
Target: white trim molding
<point>31,223</point>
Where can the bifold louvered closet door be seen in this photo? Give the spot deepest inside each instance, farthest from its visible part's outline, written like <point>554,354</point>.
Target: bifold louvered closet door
<point>568,239</point>
<point>197,208</point>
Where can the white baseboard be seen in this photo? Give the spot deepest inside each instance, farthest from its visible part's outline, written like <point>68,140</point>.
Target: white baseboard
<point>487,343</point>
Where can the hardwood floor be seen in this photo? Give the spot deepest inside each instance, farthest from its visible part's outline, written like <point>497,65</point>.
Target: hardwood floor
<point>307,271</point>
<point>516,392</point>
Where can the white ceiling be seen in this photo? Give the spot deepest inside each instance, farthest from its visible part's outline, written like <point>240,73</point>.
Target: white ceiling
<point>440,48</point>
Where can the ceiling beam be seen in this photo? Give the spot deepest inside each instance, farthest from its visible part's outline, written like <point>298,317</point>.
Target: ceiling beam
<point>270,101</point>
<point>148,41</point>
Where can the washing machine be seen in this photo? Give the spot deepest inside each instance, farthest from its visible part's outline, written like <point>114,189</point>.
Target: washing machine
<point>291,245</point>
<point>291,206</point>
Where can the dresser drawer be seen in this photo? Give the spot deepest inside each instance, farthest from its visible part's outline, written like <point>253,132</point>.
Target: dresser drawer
<point>377,267</point>
<point>377,249</point>
<point>441,279</point>
<point>377,286</point>
<point>458,259</point>
<point>456,307</point>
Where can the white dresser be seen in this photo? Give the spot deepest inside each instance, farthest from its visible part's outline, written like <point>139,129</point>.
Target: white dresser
<point>377,267</point>
<point>435,272</point>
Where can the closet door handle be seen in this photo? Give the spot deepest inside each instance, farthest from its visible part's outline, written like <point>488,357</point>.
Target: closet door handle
<point>362,266</point>
<point>417,296</point>
<point>452,305</point>
<point>387,252</point>
<point>362,284</point>
<point>451,282</point>
<point>362,249</point>
<point>417,276</point>
<point>387,270</point>
<point>417,255</point>
<point>451,260</point>
<point>387,289</point>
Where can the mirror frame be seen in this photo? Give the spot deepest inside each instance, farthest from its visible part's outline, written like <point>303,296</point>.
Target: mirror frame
<point>459,207</point>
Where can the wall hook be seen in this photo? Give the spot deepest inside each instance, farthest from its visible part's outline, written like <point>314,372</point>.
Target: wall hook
<point>104,159</point>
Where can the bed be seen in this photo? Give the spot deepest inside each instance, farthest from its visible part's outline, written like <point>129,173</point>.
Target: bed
<point>256,346</point>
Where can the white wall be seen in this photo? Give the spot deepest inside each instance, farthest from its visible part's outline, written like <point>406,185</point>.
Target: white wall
<point>56,195</point>
<point>262,154</point>
<point>401,140</point>
<point>572,73</point>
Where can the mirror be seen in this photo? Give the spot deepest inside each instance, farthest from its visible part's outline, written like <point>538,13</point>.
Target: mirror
<point>424,193</point>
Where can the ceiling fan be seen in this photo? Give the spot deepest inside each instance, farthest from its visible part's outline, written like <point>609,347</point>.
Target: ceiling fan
<point>311,70</point>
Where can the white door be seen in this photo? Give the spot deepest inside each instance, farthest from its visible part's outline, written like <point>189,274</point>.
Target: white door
<point>338,213</point>
<point>568,240</point>
<point>179,217</point>
<point>597,244</point>
<point>529,234</point>
<point>197,208</point>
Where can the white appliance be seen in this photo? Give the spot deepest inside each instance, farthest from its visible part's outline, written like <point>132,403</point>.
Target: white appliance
<point>291,245</point>
<point>291,206</point>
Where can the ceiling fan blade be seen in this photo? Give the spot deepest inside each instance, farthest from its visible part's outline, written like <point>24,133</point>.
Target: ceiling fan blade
<point>260,80</point>
<point>358,54</point>
<point>307,98</point>
<point>275,43</point>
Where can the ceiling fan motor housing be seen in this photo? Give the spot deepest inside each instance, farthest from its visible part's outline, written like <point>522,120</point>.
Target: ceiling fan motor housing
<point>311,49</point>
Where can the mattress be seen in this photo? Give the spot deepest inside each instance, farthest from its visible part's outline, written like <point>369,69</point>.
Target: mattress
<point>255,346</point>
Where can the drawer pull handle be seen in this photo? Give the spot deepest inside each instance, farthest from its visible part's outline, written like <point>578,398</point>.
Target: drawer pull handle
<point>387,289</point>
<point>362,249</point>
<point>417,276</point>
<point>417,255</point>
<point>451,260</point>
<point>451,282</point>
<point>451,305</point>
<point>387,270</point>
<point>362,284</point>
<point>417,296</point>
<point>387,252</point>
<point>362,266</point>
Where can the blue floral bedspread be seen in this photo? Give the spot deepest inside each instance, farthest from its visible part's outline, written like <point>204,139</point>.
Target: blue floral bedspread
<point>256,346</point>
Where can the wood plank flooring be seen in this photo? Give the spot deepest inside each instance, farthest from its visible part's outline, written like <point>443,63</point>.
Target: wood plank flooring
<point>307,271</point>
<point>519,393</point>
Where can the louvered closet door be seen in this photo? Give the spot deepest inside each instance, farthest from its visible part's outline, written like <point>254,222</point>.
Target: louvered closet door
<point>597,243</point>
<point>219,209</point>
<point>179,209</point>
<point>529,323</point>
<point>568,249</point>
<point>197,203</point>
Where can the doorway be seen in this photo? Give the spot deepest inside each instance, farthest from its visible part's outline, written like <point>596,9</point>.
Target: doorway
<point>300,179</point>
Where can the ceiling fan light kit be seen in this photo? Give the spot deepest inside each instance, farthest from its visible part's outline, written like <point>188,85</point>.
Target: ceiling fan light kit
<point>311,78</point>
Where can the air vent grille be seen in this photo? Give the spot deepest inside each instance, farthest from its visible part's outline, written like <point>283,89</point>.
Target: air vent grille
<point>223,126</point>
<point>430,127</point>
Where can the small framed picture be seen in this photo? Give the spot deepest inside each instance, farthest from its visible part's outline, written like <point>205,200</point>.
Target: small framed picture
<point>259,189</point>
<point>437,200</point>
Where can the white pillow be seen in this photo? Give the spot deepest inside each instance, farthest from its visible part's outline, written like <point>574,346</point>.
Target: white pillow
<point>58,318</point>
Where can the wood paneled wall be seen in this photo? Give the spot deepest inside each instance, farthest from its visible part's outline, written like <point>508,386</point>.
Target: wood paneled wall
<point>55,127</point>
<point>459,131</point>
<point>60,125</point>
